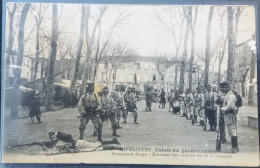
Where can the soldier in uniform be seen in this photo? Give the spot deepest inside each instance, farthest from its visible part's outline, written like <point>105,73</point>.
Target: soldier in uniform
<point>189,104</point>
<point>181,98</point>
<point>88,106</point>
<point>34,107</point>
<point>221,122</point>
<point>118,98</point>
<point>130,104</point>
<point>149,99</point>
<point>171,99</point>
<point>199,105</point>
<point>108,105</point>
<point>211,108</point>
<point>229,109</point>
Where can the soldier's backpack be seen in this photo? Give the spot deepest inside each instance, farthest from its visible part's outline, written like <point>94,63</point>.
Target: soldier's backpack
<point>239,101</point>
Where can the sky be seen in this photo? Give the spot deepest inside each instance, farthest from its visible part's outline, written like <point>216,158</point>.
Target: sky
<point>141,31</point>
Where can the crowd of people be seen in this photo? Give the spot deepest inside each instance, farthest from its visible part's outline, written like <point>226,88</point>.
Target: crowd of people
<point>205,107</point>
<point>201,108</point>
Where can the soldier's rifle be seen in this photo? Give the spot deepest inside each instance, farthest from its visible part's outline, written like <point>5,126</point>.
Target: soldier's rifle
<point>43,144</point>
<point>218,142</point>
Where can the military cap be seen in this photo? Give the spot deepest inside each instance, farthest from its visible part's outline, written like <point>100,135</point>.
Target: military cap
<point>105,88</point>
<point>223,84</point>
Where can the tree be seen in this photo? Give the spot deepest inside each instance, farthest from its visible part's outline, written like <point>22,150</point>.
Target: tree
<point>187,12</point>
<point>50,77</point>
<point>231,53</point>
<point>10,41</point>
<point>207,54</point>
<point>192,27</point>
<point>38,16</point>
<point>175,15</point>
<point>224,41</point>
<point>90,37</point>
<point>252,72</point>
<point>18,71</point>
<point>80,45</point>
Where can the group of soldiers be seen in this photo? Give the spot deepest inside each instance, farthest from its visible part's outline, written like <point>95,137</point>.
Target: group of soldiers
<point>106,107</point>
<point>204,107</point>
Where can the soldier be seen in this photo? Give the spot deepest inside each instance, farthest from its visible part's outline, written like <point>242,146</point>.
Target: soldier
<point>181,98</point>
<point>221,122</point>
<point>149,99</point>
<point>211,108</point>
<point>88,106</point>
<point>118,98</point>
<point>124,111</point>
<point>230,110</point>
<point>61,142</point>
<point>130,104</point>
<point>199,105</point>
<point>162,99</point>
<point>189,104</point>
<point>108,105</point>
<point>171,100</point>
<point>34,107</point>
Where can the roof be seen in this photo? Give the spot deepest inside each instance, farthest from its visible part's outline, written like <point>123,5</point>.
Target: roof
<point>135,58</point>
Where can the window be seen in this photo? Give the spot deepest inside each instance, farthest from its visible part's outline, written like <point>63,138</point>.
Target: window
<point>114,76</point>
<point>138,66</point>
<point>106,65</point>
<point>146,66</point>
<point>146,78</point>
<point>122,78</point>
<point>154,77</point>
<point>130,78</point>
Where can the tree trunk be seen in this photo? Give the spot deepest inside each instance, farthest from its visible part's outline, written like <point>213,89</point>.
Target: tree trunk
<point>37,51</point>
<point>80,45</point>
<point>207,54</point>
<point>184,58</point>
<point>252,76</point>
<point>18,71</point>
<point>10,44</point>
<point>176,77</point>
<point>231,53</point>
<point>50,79</point>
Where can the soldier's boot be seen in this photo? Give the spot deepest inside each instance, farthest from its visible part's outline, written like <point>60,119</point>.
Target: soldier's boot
<point>135,121</point>
<point>234,148</point>
<point>81,134</point>
<point>211,128</point>
<point>114,133</point>
<point>118,126</point>
<point>195,118</point>
<point>125,121</point>
<point>95,132</point>
<point>100,135</point>
<point>191,117</point>
<point>32,119</point>
<point>38,117</point>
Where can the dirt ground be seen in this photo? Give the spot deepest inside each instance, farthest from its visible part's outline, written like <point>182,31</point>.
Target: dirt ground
<point>157,129</point>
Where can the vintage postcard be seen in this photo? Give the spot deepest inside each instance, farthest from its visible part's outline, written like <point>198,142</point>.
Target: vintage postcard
<point>167,84</point>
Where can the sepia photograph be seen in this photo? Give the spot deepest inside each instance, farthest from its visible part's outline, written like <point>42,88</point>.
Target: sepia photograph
<point>158,84</point>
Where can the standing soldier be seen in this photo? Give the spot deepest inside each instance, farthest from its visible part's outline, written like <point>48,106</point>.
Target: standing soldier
<point>34,107</point>
<point>108,105</point>
<point>199,106</point>
<point>221,122</point>
<point>189,104</point>
<point>210,108</point>
<point>171,99</point>
<point>130,104</point>
<point>181,98</point>
<point>118,98</point>
<point>88,106</point>
<point>149,99</point>
<point>230,110</point>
